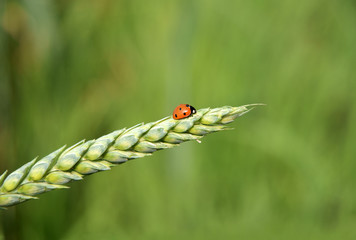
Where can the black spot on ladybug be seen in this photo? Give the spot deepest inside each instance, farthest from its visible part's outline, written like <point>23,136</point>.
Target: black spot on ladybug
<point>187,105</point>
<point>175,115</point>
<point>180,108</point>
<point>184,114</point>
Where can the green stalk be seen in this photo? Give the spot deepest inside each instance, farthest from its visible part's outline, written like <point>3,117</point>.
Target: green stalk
<point>87,157</point>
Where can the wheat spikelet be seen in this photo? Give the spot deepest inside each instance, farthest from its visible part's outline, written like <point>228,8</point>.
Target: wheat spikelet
<point>87,157</point>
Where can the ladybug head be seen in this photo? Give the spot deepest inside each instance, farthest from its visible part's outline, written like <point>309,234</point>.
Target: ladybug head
<point>192,109</point>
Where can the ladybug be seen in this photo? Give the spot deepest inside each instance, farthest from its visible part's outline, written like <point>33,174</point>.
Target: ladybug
<point>183,111</point>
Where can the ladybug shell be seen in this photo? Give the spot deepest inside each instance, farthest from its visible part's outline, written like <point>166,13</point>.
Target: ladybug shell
<point>183,111</point>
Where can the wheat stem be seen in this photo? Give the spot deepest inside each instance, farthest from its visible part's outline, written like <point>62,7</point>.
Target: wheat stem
<point>87,157</point>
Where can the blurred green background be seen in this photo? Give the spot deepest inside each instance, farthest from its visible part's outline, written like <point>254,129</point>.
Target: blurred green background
<point>80,69</point>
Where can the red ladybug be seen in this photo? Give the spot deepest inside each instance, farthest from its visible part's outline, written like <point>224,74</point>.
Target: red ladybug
<point>183,111</point>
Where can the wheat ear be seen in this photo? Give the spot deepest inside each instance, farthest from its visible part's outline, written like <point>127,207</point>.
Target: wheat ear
<point>87,157</point>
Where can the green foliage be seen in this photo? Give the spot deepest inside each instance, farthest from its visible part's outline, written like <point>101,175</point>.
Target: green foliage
<point>87,157</point>
<point>70,69</point>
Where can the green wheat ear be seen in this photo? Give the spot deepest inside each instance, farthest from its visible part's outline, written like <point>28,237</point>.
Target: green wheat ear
<point>87,157</point>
